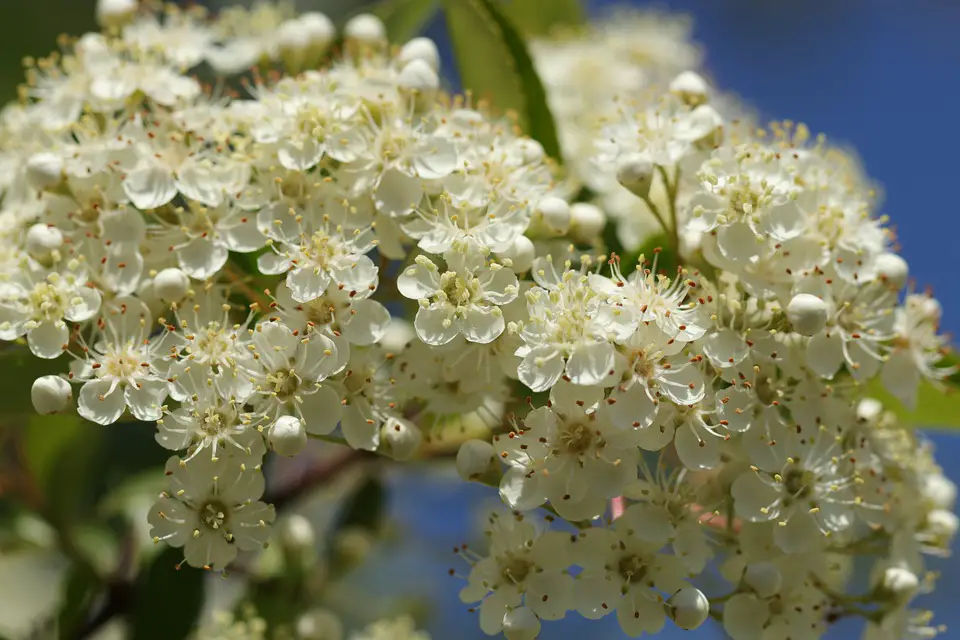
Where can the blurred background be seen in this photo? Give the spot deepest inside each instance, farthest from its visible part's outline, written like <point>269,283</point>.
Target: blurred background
<point>882,76</point>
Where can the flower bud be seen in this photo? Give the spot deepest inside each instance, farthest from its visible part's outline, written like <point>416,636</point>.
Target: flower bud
<point>531,150</point>
<point>319,30</point>
<point>44,170</point>
<point>475,458</point>
<point>42,240</point>
<point>554,214</point>
<point>365,31</point>
<point>943,523</point>
<point>521,254</point>
<point>807,313</point>
<point>403,438</point>
<point>294,44</point>
<point>296,533</point>
<point>521,624</point>
<point>115,13</point>
<point>51,394</point>
<point>319,624</point>
<point>893,270</point>
<point>764,578</point>
<point>688,608</point>
<point>691,88</point>
<point>398,335</point>
<point>939,490</point>
<point>586,221</point>
<point>869,410</point>
<point>288,436</point>
<point>899,584</point>
<point>635,173</point>
<point>418,78</point>
<point>171,285</point>
<point>423,49</point>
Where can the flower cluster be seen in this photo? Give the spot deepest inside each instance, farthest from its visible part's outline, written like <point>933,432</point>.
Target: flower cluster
<point>329,246</point>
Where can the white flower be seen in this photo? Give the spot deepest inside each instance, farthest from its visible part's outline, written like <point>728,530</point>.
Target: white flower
<point>571,329</point>
<point>917,348</point>
<point>523,567</point>
<point>464,300</point>
<point>797,613</point>
<point>38,302</point>
<point>566,453</point>
<point>211,509</point>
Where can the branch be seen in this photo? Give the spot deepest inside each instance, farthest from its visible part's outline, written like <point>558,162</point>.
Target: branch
<point>316,476</point>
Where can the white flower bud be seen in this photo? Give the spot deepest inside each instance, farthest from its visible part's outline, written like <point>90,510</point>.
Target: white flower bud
<point>521,254</point>
<point>420,49</point>
<point>319,30</point>
<point>365,30</point>
<point>296,533</point>
<point>939,490</point>
<point>554,213</point>
<point>531,150</point>
<point>475,458</point>
<point>899,583</point>
<point>171,285</point>
<point>294,43</point>
<point>807,313</point>
<point>635,173</point>
<point>521,624</point>
<point>287,436</point>
<point>51,394</point>
<point>115,13</point>
<point>44,170</point>
<point>942,523</point>
<point>869,410</point>
<point>764,578</point>
<point>419,78</point>
<point>690,88</point>
<point>42,240</point>
<point>586,221</point>
<point>688,608</point>
<point>319,624</point>
<point>403,438</point>
<point>892,270</point>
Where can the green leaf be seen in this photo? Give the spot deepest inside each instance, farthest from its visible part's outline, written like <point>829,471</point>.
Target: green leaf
<point>18,369</point>
<point>79,589</point>
<point>536,17</point>
<point>494,64</point>
<point>936,406</point>
<point>404,19</point>
<point>168,599</point>
<point>656,247</point>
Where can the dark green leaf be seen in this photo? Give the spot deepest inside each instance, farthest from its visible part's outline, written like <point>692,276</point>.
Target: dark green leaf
<point>364,508</point>
<point>404,19</point>
<point>18,369</point>
<point>655,251</point>
<point>79,590</point>
<point>495,65</point>
<point>539,17</point>
<point>168,599</point>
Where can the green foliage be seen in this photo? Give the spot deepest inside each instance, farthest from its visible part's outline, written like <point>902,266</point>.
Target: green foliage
<point>168,599</point>
<point>405,18</point>
<point>538,17</point>
<point>79,590</point>
<point>18,369</point>
<point>937,407</point>
<point>494,64</point>
<point>657,248</point>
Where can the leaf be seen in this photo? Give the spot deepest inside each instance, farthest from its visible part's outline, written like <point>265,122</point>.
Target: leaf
<point>494,63</point>
<point>404,19</point>
<point>79,589</point>
<point>656,247</point>
<point>18,369</point>
<point>536,17</point>
<point>168,600</point>
<point>936,407</point>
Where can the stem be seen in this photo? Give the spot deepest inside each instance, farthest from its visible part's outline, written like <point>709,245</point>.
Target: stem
<point>673,188</point>
<point>239,281</point>
<point>316,476</point>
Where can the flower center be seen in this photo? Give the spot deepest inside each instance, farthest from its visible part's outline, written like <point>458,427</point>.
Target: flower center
<point>285,383</point>
<point>514,569</point>
<point>577,438</point>
<point>121,363</point>
<point>214,515</point>
<point>633,568</point>
<point>48,300</point>
<point>798,484</point>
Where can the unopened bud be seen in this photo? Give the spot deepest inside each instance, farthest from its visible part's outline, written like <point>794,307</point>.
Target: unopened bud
<point>893,270</point>
<point>691,88</point>
<point>869,410</point>
<point>521,624</point>
<point>171,285</point>
<point>296,533</point>
<point>115,13</point>
<point>44,170</point>
<point>42,240</point>
<point>635,173</point>
<point>475,459</point>
<point>402,437</point>
<point>688,608</point>
<point>586,221</point>
<point>363,32</point>
<point>942,523</point>
<point>939,490</point>
<point>294,44</point>
<point>807,313</point>
<point>521,254</point>
<point>319,30</point>
<point>420,49</point>
<point>899,584</point>
<point>764,578</point>
<point>554,214</point>
<point>287,436</point>
<point>51,394</point>
<point>319,624</point>
<point>418,78</point>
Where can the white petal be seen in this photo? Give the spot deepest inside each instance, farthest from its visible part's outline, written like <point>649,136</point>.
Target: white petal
<point>201,258</point>
<point>800,534</point>
<point>321,410</point>
<point>697,450</point>
<point>48,339</point>
<point>519,491</point>
<point>541,368</point>
<point>596,595</point>
<point>482,324</point>
<point>397,194</point>
<point>825,354</point>
<point>437,158</point>
<point>86,305</point>
<point>97,405</point>
<point>146,401</point>
<point>639,613</point>
<point>150,187</point>
<point>901,377</point>
<point>360,428</point>
<point>418,281</point>
<point>299,155</point>
<point>632,409</point>
<point>549,594</point>
<point>368,322</point>
<point>589,363</point>
<point>307,283</point>
<point>435,325</point>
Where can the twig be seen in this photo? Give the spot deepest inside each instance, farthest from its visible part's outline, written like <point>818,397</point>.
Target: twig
<point>316,476</point>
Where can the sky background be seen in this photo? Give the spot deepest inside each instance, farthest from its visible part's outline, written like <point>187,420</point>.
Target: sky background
<point>882,76</point>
